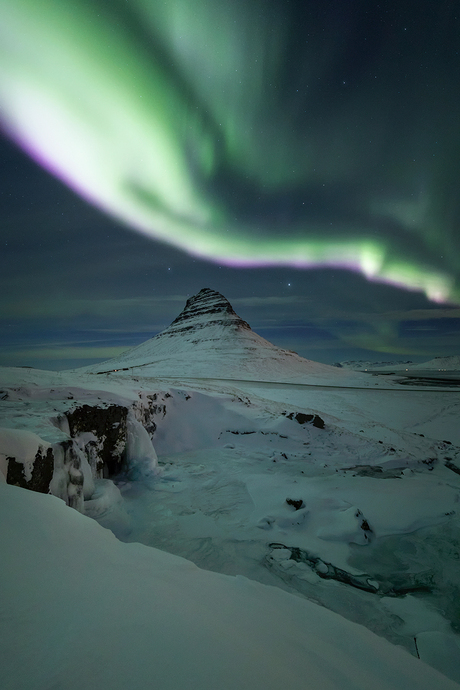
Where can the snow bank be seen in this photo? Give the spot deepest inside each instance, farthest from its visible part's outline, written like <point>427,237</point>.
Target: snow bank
<point>81,609</point>
<point>187,420</point>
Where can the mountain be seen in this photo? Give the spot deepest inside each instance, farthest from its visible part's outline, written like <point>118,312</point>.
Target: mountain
<point>208,339</point>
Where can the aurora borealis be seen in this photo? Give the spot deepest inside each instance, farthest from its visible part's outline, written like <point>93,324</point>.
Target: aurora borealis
<point>263,139</point>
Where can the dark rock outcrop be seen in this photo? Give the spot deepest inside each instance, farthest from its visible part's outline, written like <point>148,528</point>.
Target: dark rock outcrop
<point>302,418</point>
<point>105,452</point>
<point>42,471</point>
<point>451,466</point>
<point>297,504</point>
<point>201,309</point>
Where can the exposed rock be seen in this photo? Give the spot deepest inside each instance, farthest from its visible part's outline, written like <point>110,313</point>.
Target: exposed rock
<point>42,471</point>
<point>98,444</point>
<point>207,305</point>
<point>303,418</point>
<point>296,504</point>
<point>364,523</point>
<point>105,450</point>
<point>451,466</point>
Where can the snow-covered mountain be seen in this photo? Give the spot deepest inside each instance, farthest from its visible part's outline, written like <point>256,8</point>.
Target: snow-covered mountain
<point>208,339</point>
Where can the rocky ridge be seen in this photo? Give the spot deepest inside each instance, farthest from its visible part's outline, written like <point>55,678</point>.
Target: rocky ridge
<point>205,308</point>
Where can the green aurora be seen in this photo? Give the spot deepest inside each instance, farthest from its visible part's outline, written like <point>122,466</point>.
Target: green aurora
<point>235,132</point>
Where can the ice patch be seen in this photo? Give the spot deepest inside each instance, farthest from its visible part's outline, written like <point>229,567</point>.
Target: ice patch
<point>141,458</point>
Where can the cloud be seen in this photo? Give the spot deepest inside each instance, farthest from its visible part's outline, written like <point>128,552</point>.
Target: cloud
<point>423,314</point>
<point>59,354</point>
<point>104,308</point>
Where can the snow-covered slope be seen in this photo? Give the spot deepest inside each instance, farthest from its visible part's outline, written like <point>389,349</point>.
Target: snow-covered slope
<point>82,610</point>
<point>208,339</point>
<point>441,364</point>
<point>451,363</point>
<point>365,365</point>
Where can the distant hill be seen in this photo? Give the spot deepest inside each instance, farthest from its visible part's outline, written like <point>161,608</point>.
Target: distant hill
<point>448,363</point>
<point>360,365</point>
<point>437,364</point>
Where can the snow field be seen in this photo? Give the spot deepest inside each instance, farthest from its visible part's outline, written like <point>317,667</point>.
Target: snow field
<point>70,603</point>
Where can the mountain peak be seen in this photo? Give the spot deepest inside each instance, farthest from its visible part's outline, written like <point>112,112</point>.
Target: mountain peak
<point>206,307</point>
<point>209,340</point>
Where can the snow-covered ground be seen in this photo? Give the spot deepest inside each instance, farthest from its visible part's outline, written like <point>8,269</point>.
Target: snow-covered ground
<point>79,609</point>
<point>376,534</point>
<point>342,491</point>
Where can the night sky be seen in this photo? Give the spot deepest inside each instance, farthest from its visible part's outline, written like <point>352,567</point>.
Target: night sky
<point>302,157</point>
